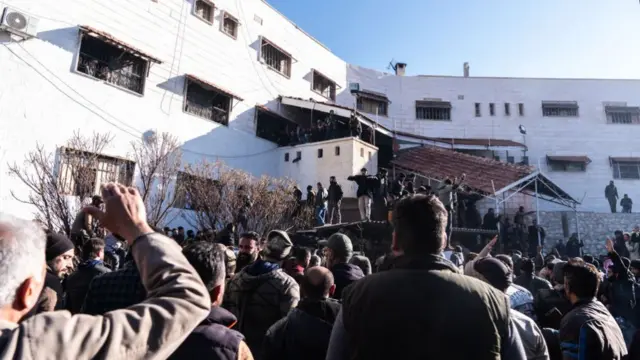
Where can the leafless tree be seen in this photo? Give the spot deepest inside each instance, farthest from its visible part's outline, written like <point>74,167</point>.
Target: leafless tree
<point>217,195</point>
<point>159,159</point>
<point>60,181</point>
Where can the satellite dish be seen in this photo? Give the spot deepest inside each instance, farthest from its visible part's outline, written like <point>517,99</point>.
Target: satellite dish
<point>523,130</point>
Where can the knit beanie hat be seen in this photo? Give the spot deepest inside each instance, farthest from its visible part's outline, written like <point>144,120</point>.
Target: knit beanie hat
<point>57,244</point>
<point>493,272</point>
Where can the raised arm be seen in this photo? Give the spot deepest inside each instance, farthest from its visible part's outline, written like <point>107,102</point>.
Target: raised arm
<point>177,299</point>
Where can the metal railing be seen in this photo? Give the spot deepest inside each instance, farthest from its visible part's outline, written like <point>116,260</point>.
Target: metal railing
<point>129,75</point>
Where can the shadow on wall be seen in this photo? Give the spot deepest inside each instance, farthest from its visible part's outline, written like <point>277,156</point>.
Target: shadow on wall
<point>64,38</point>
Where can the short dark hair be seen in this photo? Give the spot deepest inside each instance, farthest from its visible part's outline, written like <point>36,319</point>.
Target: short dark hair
<point>180,228</point>
<point>209,262</point>
<point>582,279</point>
<point>251,235</point>
<point>527,266</point>
<point>301,254</point>
<point>92,248</point>
<point>419,224</point>
<point>506,259</point>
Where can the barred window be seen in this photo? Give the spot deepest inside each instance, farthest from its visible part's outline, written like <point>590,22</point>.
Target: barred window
<point>560,109</point>
<point>433,110</point>
<point>204,10</point>
<point>82,173</point>
<point>206,102</point>
<point>626,169</point>
<point>275,58</point>
<point>107,62</point>
<point>229,25</point>
<point>372,106</point>
<point>622,115</point>
<point>323,86</point>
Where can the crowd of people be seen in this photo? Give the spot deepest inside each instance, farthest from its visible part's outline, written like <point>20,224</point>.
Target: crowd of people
<point>179,296</point>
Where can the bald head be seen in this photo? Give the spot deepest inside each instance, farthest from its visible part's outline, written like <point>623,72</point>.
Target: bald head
<point>317,283</point>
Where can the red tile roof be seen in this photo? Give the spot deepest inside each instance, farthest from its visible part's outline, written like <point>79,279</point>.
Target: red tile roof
<point>438,164</point>
<point>212,85</point>
<point>566,158</point>
<point>479,142</point>
<point>112,39</point>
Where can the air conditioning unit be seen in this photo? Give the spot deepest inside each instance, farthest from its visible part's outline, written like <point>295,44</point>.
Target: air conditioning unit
<point>354,88</point>
<point>18,23</point>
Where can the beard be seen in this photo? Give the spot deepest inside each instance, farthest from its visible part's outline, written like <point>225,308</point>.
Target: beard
<point>244,260</point>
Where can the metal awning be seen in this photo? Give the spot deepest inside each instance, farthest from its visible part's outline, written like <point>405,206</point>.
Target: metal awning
<point>624,159</point>
<point>326,77</point>
<point>212,85</point>
<point>374,95</point>
<point>110,39</point>
<point>433,104</point>
<point>582,159</point>
<point>622,109</point>
<point>561,104</point>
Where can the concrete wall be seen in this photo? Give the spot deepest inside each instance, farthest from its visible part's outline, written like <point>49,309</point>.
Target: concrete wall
<point>33,111</point>
<point>311,169</point>
<point>589,134</point>
<point>593,227</point>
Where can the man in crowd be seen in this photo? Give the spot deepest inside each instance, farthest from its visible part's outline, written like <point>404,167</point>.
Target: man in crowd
<point>335,200</point>
<point>83,225</point>
<point>305,332</point>
<point>151,329</point>
<point>321,204</point>
<point>263,293</point>
<point>380,193</point>
<point>536,237</point>
<point>247,250</point>
<point>59,255</point>
<point>337,253</point>
<point>497,274</point>
<point>375,308</point>
<point>364,193</point>
<point>529,280</point>
<point>92,266</point>
<point>611,194</point>
<point>520,299</point>
<point>588,331</point>
<point>213,338</point>
<point>626,203</point>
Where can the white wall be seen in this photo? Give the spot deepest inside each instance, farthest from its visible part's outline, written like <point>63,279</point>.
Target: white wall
<point>33,111</point>
<point>310,169</point>
<point>589,134</point>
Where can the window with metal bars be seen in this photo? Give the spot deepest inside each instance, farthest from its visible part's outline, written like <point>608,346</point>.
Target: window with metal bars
<point>275,58</point>
<point>477,110</point>
<point>82,173</point>
<point>626,169</point>
<point>229,25</point>
<point>559,110</point>
<point>623,115</point>
<point>372,106</point>
<point>114,65</point>
<point>433,110</point>
<point>206,103</point>
<point>323,86</point>
<point>204,10</point>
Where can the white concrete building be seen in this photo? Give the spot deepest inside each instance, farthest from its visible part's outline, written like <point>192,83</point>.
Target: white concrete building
<point>200,68</point>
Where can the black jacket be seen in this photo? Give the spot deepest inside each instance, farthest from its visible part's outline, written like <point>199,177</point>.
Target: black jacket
<point>423,308</point>
<point>572,249</point>
<point>550,306</point>
<point>344,275</point>
<point>623,291</point>
<point>335,193</point>
<point>304,333</point>
<point>364,188</point>
<point>532,283</point>
<point>589,331</point>
<point>212,339</point>
<point>78,284</point>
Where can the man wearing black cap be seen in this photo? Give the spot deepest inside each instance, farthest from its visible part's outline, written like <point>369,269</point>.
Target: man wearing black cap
<point>422,308</point>
<point>337,252</point>
<point>82,227</point>
<point>59,254</point>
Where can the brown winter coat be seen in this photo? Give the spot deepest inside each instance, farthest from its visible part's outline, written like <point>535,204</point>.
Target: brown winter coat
<point>153,329</point>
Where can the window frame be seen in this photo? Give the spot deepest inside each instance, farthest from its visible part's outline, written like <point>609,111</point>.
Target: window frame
<point>560,109</point>
<point>336,151</point>
<point>264,41</point>
<point>286,157</point>
<point>492,109</point>
<point>520,109</point>
<point>213,11</point>
<point>507,109</point>
<point>227,16</point>
<point>426,108</point>
<point>617,174</point>
<point>566,166</point>
<point>188,80</point>
<point>320,153</point>
<point>477,108</point>
<point>632,112</point>
<point>333,86</point>
<point>381,103</point>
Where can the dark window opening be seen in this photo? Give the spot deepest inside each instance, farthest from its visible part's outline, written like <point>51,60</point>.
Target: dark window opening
<point>372,106</point>
<point>369,155</point>
<point>560,109</point>
<point>626,170</point>
<point>567,166</point>
<point>286,157</point>
<point>492,109</point>
<point>622,115</point>
<point>320,153</point>
<point>361,152</point>
<point>324,86</point>
<point>298,155</point>
<point>107,62</point>
<point>204,10</point>
<point>427,110</point>
<point>207,103</point>
<point>521,109</point>
<point>507,109</point>
<point>478,110</point>
<point>275,58</point>
<point>230,25</point>
<point>276,129</point>
<point>337,150</point>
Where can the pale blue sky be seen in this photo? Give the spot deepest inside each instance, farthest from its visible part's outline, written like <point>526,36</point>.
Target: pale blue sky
<point>532,38</point>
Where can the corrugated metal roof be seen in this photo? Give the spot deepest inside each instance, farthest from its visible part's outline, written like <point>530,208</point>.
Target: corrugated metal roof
<point>115,41</point>
<point>210,84</point>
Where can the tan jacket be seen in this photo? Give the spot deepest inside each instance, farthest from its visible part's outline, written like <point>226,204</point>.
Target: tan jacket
<point>153,329</point>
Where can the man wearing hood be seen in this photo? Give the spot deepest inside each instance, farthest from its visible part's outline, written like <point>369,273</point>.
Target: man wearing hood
<point>337,252</point>
<point>305,332</point>
<point>262,293</point>
<point>92,266</point>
